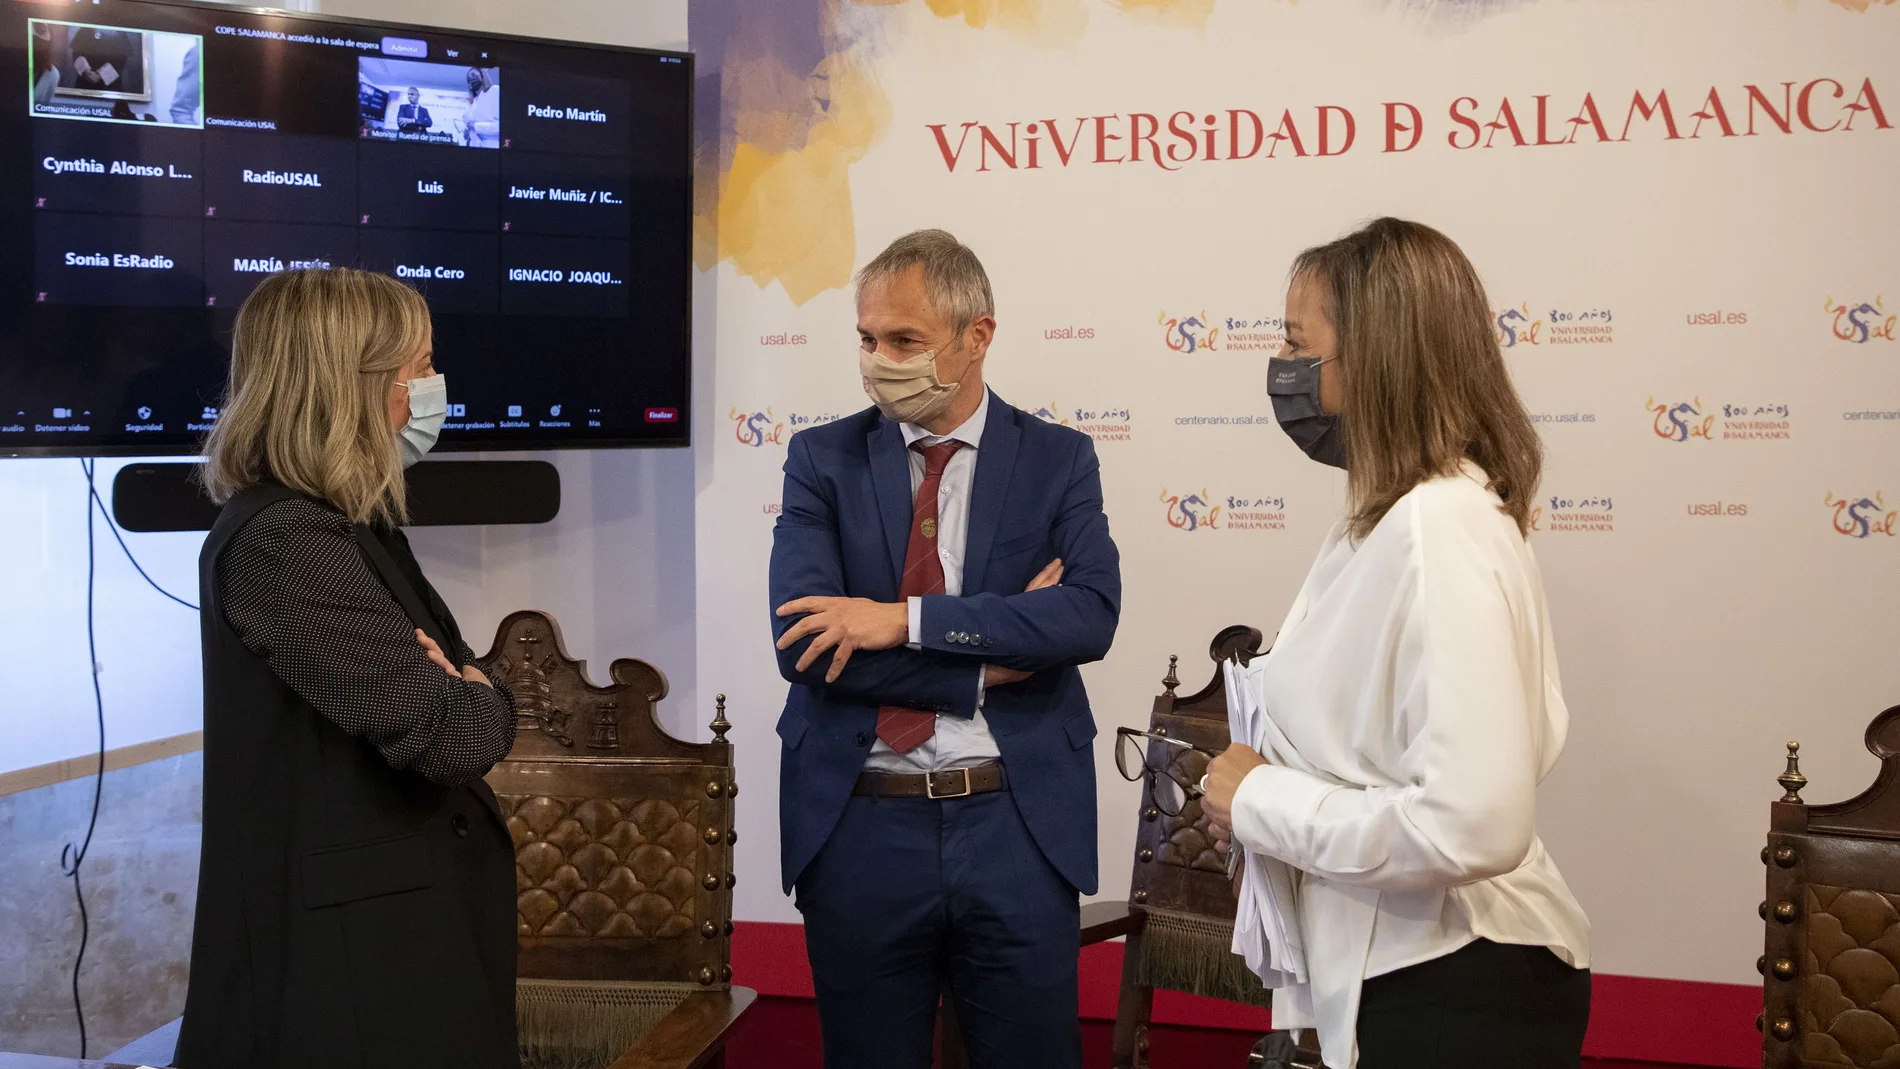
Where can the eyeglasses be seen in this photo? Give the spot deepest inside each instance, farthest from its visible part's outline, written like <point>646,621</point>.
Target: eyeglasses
<point>1170,792</point>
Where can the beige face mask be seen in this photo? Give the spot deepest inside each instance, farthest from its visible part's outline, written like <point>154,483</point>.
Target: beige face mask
<point>907,390</point>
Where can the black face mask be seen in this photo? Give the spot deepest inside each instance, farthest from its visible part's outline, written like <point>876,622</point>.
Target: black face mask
<point>1293,387</point>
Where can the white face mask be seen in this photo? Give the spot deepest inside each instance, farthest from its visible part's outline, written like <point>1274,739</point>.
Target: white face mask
<point>907,390</point>
<point>428,407</point>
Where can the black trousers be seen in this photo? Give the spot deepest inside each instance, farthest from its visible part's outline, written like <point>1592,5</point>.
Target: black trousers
<point>1484,1005</point>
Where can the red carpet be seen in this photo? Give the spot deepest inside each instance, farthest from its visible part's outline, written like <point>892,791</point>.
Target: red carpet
<point>782,1033</point>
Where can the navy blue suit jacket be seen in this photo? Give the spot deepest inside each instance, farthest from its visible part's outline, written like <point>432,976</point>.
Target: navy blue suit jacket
<point>842,530</point>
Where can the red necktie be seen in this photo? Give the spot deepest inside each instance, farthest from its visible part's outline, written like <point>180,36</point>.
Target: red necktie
<point>904,729</point>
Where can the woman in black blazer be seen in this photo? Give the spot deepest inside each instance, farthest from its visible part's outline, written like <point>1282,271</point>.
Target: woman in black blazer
<point>356,889</point>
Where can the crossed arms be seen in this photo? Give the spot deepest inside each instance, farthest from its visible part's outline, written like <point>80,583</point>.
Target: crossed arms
<point>1067,616</point>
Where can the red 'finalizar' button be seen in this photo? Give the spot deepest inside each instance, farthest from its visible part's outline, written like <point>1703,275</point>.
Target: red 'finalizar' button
<point>663,415</point>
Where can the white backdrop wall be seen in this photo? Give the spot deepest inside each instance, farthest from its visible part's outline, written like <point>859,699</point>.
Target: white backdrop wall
<point>1708,605</point>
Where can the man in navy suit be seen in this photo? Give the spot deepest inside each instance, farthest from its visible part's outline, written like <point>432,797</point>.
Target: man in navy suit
<point>413,118</point>
<point>940,566</point>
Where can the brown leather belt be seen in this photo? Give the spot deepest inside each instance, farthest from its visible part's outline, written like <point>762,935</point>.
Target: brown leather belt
<point>954,783</point>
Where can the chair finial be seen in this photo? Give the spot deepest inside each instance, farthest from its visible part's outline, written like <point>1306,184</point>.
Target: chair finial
<point>1171,680</point>
<point>1792,780</point>
<point>720,725</point>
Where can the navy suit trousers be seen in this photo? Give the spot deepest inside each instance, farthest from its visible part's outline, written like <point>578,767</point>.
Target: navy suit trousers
<point>910,895</point>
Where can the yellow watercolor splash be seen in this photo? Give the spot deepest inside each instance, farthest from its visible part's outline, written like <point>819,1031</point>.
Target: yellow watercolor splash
<point>784,211</point>
<point>779,208</point>
<point>1056,23</point>
<point>1192,13</point>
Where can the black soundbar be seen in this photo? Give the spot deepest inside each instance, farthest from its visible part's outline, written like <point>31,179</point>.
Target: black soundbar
<point>442,493</point>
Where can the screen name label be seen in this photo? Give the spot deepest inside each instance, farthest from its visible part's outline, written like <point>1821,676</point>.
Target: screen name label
<point>271,265</point>
<point>282,178</point>
<point>581,278</point>
<point>571,196</point>
<point>425,271</point>
<point>119,260</point>
<point>92,166</point>
<point>539,111</point>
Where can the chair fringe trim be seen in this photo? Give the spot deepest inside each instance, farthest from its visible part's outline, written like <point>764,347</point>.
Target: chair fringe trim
<point>577,1024</point>
<point>1192,953</point>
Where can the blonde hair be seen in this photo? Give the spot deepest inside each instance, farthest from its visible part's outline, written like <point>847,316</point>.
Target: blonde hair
<point>313,356</point>
<point>1426,387</point>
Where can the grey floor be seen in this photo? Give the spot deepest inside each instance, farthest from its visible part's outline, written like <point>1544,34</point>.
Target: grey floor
<point>141,880</point>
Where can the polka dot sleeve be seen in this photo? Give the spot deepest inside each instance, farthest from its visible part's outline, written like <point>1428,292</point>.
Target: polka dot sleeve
<point>299,593</point>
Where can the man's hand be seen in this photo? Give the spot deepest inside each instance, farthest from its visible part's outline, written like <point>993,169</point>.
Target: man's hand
<point>845,625</point>
<point>995,675</point>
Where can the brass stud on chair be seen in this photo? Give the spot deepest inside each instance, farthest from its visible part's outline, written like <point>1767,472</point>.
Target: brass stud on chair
<point>711,882</point>
<point>1141,897</point>
<point>1150,814</point>
<point>712,789</point>
<point>705,975</point>
<point>732,880</point>
<point>732,837</point>
<point>1171,680</point>
<point>712,836</point>
<point>1784,856</point>
<point>1784,969</point>
<point>1760,1020</point>
<point>728,927</point>
<point>1783,1029</point>
<point>1792,780</point>
<point>1785,912</point>
<point>725,973</point>
<point>720,725</point>
<point>709,929</point>
<point>732,789</point>
<point>1761,965</point>
<point>1762,910</point>
<point>1146,854</point>
<point>1764,855</point>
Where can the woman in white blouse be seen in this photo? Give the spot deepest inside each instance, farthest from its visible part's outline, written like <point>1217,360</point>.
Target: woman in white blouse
<point>1411,698</point>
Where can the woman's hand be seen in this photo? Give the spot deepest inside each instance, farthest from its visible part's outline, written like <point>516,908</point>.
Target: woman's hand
<point>1224,774</point>
<point>469,672</point>
<point>435,654</point>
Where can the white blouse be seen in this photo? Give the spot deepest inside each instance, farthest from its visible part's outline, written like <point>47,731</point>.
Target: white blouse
<point>1413,707</point>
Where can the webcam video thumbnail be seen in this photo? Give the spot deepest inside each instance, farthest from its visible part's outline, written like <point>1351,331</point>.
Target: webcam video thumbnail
<point>111,74</point>
<point>440,103</point>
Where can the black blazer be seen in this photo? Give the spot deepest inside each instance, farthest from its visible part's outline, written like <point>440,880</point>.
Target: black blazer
<point>349,912</point>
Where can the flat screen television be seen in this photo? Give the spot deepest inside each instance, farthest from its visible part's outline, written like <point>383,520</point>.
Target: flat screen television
<point>159,158</point>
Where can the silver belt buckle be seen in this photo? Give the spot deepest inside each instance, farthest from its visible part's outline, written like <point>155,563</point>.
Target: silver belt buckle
<point>930,784</point>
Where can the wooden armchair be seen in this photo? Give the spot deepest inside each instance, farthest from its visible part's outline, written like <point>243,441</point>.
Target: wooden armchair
<point>623,853</point>
<point>1831,967</point>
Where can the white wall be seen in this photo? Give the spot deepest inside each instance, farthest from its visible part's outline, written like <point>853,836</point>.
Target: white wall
<point>615,567</point>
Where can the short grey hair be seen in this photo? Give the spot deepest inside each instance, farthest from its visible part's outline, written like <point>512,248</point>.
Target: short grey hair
<point>954,279</point>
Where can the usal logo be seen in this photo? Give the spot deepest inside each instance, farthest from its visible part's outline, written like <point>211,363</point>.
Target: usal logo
<point>1860,322</point>
<point>1188,333</point>
<point>1861,517</point>
<point>756,429</point>
<point>1204,511</point>
<point>761,428</point>
<point>1517,327</point>
<point>1102,424</point>
<point>1691,421</point>
<point>1200,332</point>
<point>1575,514</point>
<point>1552,326</point>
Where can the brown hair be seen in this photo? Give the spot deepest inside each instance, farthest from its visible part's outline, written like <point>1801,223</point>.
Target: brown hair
<point>313,355</point>
<point>1425,383</point>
